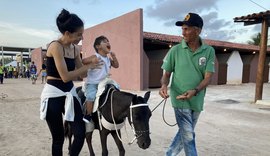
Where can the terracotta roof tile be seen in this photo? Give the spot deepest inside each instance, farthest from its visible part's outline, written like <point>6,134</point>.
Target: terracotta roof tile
<point>162,37</point>
<point>252,16</point>
<point>214,43</point>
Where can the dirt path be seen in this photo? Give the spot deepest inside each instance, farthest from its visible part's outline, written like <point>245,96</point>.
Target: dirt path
<point>229,126</point>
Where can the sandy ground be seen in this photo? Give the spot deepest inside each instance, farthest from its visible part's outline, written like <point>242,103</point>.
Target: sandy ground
<point>229,126</point>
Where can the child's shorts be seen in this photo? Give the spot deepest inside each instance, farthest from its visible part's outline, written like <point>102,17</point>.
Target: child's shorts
<point>90,92</point>
<point>43,74</point>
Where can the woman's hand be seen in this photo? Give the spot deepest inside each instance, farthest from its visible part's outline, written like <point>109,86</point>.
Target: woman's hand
<point>93,62</point>
<point>90,59</point>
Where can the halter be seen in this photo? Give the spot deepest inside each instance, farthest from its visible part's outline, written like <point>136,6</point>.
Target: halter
<point>131,122</point>
<point>131,118</point>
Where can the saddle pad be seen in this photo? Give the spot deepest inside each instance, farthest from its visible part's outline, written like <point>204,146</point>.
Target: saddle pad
<point>101,87</point>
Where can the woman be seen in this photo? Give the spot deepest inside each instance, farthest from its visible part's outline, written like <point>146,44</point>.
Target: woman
<point>59,94</point>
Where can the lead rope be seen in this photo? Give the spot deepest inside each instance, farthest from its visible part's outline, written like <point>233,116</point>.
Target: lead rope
<point>163,112</point>
<point>158,105</point>
<point>98,110</point>
<point>114,123</point>
<point>106,98</point>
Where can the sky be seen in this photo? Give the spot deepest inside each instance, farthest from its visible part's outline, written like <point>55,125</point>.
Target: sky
<point>31,23</point>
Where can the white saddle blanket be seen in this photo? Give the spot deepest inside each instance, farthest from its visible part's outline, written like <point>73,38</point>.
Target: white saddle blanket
<point>101,87</point>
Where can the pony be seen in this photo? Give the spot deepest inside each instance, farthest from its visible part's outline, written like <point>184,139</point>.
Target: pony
<point>114,107</point>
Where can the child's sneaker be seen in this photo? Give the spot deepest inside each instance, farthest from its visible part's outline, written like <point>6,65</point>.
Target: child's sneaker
<point>87,118</point>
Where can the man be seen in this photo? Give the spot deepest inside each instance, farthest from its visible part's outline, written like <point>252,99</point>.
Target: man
<point>192,65</point>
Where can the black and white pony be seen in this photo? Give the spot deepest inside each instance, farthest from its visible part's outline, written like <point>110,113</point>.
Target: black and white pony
<point>114,107</point>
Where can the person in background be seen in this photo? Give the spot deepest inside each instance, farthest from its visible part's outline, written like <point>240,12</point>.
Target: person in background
<point>5,72</point>
<point>27,72</point>
<point>2,69</point>
<point>192,64</point>
<point>43,73</point>
<point>33,72</point>
<point>59,95</point>
<point>10,71</point>
<point>15,72</point>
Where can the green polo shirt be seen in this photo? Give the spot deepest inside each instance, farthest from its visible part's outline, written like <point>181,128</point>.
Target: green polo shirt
<point>188,70</point>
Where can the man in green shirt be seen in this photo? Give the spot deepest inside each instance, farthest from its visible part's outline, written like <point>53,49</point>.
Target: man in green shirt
<point>192,64</point>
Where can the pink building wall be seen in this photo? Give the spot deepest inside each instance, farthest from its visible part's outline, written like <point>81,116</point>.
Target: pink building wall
<point>125,34</point>
<point>37,57</point>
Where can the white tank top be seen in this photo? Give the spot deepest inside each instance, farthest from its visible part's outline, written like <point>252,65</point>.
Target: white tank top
<point>94,76</point>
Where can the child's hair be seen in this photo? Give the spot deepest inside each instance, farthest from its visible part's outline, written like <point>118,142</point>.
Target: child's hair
<point>98,40</point>
<point>43,66</point>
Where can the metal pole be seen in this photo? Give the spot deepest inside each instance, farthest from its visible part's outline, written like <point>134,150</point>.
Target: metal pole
<point>21,68</point>
<point>261,63</point>
<point>29,53</point>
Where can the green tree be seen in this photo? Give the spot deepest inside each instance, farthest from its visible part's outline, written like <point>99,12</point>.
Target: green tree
<point>255,39</point>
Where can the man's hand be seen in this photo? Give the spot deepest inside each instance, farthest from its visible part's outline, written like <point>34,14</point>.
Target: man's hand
<point>163,92</point>
<point>187,95</point>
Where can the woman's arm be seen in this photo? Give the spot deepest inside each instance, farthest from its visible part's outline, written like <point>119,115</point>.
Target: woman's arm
<point>55,50</point>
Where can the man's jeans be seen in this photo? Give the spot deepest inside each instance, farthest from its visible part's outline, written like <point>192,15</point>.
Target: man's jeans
<point>185,137</point>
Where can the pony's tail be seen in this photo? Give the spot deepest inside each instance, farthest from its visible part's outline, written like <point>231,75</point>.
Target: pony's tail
<point>68,133</point>
<point>67,130</point>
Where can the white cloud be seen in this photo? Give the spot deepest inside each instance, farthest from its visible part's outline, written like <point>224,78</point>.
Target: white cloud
<point>18,35</point>
<point>215,27</point>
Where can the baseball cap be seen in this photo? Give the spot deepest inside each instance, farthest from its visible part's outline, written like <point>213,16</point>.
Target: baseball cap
<point>191,19</point>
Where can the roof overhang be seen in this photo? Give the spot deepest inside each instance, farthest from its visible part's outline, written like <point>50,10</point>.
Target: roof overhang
<point>255,18</point>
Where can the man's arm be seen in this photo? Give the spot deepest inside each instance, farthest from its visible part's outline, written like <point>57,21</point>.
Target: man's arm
<point>163,91</point>
<point>193,92</point>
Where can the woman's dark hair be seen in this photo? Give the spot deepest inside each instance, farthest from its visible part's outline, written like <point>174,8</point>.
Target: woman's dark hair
<point>98,40</point>
<point>68,22</point>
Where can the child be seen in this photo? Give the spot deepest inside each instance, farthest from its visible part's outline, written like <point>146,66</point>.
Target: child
<point>43,74</point>
<point>33,72</point>
<point>94,76</point>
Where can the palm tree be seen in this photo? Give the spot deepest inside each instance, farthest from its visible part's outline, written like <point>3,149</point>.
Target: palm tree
<point>255,40</point>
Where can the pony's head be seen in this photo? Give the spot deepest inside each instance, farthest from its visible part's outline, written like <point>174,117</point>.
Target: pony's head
<point>139,118</point>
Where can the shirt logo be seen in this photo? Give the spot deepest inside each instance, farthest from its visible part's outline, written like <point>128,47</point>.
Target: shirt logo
<point>202,61</point>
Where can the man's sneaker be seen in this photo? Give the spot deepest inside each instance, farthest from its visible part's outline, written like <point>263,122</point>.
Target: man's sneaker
<point>87,118</point>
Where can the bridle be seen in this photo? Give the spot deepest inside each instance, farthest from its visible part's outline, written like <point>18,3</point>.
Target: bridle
<point>131,120</point>
<point>137,134</point>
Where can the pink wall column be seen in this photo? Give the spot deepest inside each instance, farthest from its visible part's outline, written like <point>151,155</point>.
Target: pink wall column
<point>37,57</point>
<point>125,34</point>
